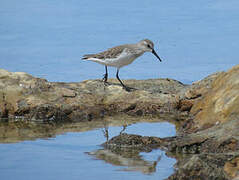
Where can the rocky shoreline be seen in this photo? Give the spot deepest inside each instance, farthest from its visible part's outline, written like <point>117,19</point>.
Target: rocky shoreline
<point>206,114</point>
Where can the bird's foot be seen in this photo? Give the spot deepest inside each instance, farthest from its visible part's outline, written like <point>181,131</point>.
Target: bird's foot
<point>105,78</point>
<point>128,89</point>
<point>106,83</point>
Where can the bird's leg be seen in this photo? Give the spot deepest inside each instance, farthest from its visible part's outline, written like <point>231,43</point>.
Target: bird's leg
<point>125,87</point>
<point>105,78</point>
<point>124,128</point>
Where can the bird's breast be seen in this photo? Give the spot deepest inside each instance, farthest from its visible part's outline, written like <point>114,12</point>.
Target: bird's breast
<point>125,58</point>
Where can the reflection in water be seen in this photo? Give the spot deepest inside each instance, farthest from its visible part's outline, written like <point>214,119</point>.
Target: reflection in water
<point>106,133</point>
<point>16,130</point>
<point>124,128</point>
<point>11,132</point>
<point>69,149</point>
<point>130,158</point>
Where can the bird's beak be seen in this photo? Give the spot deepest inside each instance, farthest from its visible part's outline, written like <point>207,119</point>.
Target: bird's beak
<point>153,51</point>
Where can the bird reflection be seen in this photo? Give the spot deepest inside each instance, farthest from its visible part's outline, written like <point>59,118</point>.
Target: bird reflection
<point>129,158</point>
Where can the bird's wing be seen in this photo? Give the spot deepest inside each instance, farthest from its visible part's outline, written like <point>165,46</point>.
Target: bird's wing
<point>112,52</point>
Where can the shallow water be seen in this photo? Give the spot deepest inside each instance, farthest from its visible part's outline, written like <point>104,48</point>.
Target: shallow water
<point>48,38</point>
<point>78,155</point>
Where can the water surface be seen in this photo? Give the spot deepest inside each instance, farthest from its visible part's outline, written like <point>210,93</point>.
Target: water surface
<point>78,155</point>
<point>48,38</point>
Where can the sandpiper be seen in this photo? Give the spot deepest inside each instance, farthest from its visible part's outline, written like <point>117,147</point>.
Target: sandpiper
<point>120,56</point>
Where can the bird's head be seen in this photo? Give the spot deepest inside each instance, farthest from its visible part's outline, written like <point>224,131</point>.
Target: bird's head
<point>148,46</point>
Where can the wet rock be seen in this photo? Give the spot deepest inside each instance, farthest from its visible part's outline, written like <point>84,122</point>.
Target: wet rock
<point>132,141</point>
<point>201,166</point>
<point>217,139</point>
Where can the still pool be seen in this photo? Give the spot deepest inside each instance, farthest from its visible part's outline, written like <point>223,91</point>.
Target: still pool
<point>78,155</point>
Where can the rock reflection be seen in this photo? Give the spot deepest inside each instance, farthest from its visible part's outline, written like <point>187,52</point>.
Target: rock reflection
<point>12,132</point>
<point>16,130</point>
<point>129,158</point>
<point>21,130</point>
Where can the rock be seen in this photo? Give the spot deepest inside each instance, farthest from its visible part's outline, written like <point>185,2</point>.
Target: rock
<point>132,141</point>
<point>220,103</point>
<point>200,88</point>
<point>221,138</point>
<point>232,168</point>
<point>201,166</point>
<point>35,98</point>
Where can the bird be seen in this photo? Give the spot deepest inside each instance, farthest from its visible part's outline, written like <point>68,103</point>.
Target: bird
<point>120,56</point>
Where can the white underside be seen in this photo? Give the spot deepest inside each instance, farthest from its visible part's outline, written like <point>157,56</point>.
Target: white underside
<point>123,59</point>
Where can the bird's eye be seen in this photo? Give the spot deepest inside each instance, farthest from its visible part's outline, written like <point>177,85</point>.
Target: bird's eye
<point>148,46</point>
